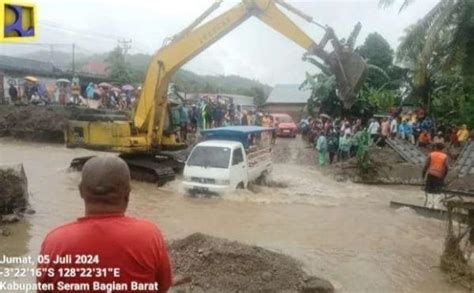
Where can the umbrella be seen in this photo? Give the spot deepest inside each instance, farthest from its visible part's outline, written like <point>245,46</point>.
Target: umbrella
<point>105,85</point>
<point>116,89</point>
<point>63,80</point>
<point>325,116</point>
<point>31,78</point>
<point>127,87</point>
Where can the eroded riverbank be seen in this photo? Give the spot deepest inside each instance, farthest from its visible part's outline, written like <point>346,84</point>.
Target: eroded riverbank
<point>340,231</point>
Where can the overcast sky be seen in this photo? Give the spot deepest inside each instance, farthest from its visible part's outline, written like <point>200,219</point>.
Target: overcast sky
<point>252,50</point>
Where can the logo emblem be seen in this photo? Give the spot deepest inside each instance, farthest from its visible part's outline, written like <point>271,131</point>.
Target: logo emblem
<point>19,21</point>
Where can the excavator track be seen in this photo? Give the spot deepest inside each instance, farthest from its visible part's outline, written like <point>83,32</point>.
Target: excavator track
<point>156,169</point>
<point>148,168</point>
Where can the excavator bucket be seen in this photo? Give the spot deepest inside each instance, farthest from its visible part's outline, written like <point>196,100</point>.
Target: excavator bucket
<point>350,71</point>
<point>348,67</point>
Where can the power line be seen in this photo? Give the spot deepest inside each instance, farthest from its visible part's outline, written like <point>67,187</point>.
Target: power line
<point>125,45</point>
<point>84,34</point>
<point>60,26</point>
<point>89,33</point>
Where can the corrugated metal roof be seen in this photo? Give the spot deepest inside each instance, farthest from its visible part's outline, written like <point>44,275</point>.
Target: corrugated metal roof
<point>27,66</point>
<point>288,94</point>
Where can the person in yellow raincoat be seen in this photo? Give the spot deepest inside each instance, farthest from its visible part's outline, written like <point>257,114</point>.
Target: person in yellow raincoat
<point>463,134</point>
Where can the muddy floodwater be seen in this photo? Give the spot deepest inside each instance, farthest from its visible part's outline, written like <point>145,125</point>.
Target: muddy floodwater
<point>341,231</point>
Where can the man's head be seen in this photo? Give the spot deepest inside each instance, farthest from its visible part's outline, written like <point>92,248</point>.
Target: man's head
<point>105,185</point>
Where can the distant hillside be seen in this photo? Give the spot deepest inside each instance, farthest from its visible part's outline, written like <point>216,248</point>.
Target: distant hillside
<point>185,80</point>
<point>188,81</point>
<point>60,59</point>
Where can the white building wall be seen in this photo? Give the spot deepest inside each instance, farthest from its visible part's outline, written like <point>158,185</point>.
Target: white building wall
<point>19,80</point>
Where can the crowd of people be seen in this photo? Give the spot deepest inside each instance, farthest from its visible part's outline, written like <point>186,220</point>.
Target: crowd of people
<point>109,96</point>
<point>335,139</point>
<point>65,92</point>
<point>420,131</point>
<point>339,139</point>
<point>203,113</point>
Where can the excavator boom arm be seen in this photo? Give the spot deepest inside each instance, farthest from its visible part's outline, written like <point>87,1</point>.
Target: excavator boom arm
<point>168,59</point>
<point>140,141</point>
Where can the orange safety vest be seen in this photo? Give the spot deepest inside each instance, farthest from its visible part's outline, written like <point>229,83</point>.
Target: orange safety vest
<point>438,164</point>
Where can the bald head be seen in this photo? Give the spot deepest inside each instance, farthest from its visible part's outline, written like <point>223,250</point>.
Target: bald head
<point>106,181</point>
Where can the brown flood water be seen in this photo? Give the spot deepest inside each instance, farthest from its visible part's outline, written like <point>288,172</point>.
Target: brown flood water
<point>343,232</point>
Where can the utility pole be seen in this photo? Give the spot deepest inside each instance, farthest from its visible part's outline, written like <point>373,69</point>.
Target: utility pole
<point>73,59</point>
<point>125,45</point>
<point>51,54</point>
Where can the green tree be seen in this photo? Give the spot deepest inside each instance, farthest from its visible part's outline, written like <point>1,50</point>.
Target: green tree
<point>325,100</point>
<point>258,93</point>
<point>323,95</point>
<point>441,40</point>
<point>377,51</point>
<point>382,99</point>
<point>208,88</point>
<point>379,90</point>
<point>379,55</point>
<point>119,70</point>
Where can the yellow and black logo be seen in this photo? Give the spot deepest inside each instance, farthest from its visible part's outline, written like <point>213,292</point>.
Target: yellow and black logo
<point>19,21</point>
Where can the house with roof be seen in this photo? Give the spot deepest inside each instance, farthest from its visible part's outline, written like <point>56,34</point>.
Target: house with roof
<point>94,68</point>
<point>289,99</point>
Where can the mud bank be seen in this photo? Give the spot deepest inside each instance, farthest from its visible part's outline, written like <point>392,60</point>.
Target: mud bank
<point>13,189</point>
<point>34,123</point>
<point>209,264</point>
<point>14,196</point>
<point>42,124</point>
<point>385,167</point>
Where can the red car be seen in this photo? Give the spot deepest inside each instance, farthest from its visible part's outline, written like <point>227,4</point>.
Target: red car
<point>284,125</point>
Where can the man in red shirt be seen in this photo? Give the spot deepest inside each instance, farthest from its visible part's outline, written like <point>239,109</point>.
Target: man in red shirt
<point>105,251</point>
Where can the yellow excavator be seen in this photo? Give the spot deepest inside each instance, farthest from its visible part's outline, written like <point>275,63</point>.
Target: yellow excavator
<point>144,142</point>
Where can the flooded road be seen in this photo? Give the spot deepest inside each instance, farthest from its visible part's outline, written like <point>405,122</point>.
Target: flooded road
<point>343,232</point>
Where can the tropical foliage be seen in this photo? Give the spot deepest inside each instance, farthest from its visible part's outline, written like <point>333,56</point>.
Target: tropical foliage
<point>118,69</point>
<point>439,52</point>
<point>323,94</point>
<point>380,89</point>
<point>434,67</point>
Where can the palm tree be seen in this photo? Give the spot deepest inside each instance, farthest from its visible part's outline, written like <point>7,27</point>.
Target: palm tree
<point>442,39</point>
